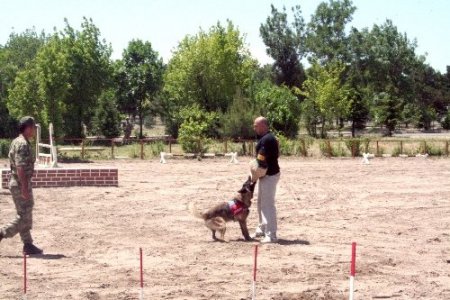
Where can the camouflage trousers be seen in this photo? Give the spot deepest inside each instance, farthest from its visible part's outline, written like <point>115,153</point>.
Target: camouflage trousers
<point>23,221</point>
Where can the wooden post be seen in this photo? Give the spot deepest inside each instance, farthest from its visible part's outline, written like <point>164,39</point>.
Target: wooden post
<point>378,149</point>
<point>82,149</point>
<point>353,149</point>
<point>330,151</point>
<point>304,151</point>
<point>226,145</point>
<point>401,147</point>
<point>425,147</point>
<point>446,148</point>
<point>112,149</point>
<point>170,145</point>
<point>142,149</point>
<point>244,148</point>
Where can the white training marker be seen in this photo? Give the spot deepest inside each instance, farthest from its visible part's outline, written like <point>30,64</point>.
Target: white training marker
<point>352,272</point>
<point>165,155</point>
<point>422,155</point>
<point>366,157</point>
<point>233,156</point>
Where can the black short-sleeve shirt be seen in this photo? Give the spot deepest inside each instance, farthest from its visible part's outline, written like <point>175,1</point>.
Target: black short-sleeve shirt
<point>267,153</point>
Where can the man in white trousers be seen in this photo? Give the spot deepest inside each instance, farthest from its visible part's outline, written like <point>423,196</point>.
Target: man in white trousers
<point>267,153</point>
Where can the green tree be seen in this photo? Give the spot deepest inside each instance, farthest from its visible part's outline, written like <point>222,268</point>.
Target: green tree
<point>140,79</point>
<point>280,106</point>
<point>326,98</point>
<point>89,74</point>
<point>107,119</point>
<point>390,68</point>
<point>63,82</point>
<point>237,122</point>
<point>207,69</point>
<point>326,33</point>
<point>285,44</point>
<point>196,128</point>
<point>20,49</point>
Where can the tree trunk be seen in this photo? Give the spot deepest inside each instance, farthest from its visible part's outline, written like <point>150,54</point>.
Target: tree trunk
<point>141,122</point>
<point>353,128</point>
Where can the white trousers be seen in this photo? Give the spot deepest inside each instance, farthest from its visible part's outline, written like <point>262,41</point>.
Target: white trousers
<point>267,211</point>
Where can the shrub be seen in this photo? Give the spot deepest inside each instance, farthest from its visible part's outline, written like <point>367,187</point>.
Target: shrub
<point>237,122</point>
<point>193,133</point>
<point>446,122</point>
<point>286,145</point>
<point>156,148</point>
<point>107,119</point>
<point>326,148</point>
<point>354,146</point>
<point>430,149</point>
<point>4,148</point>
<point>303,145</point>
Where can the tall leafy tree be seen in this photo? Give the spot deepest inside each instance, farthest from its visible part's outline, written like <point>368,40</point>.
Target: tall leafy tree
<point>140,78</point>
<point>64,81</point>
<point>280,106</point>
<point>207,69</point>
<point>391,65</point>
<point>285,44</point>
<point>326,32</point>
<point>89,72</point>
<point>20,49</point>
<point>326,98</point>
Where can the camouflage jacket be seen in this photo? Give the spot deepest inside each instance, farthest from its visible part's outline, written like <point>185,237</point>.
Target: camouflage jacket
<point>21,155</point>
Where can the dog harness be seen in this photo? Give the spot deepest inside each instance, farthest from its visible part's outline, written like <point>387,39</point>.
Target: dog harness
<point>236,207</point>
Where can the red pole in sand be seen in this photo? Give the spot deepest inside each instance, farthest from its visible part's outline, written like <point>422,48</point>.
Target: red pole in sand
<point>352,272</point>
<point>255,262</point>
<point>141,297</point>
<point>255,268</point>
<point>24,275</point>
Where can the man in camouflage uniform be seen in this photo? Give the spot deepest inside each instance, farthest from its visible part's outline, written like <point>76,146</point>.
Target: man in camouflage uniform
<point>21,158</point>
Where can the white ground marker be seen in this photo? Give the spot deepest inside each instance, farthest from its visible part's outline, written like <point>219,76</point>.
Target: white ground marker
<point>24,277</point>
<point>141,292</point>
<point>233,156</point>
<point>165,155</point>
<point>255,268</point>
<point>352,272</point>
<point>366,157</point>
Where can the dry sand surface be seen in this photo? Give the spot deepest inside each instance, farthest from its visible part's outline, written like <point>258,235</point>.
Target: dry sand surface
<point>397,210</point>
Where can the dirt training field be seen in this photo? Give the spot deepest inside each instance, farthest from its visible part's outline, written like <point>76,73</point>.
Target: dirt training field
<point>397,210</point>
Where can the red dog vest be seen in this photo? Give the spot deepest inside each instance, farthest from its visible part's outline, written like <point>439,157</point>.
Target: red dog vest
<point>236,207</point>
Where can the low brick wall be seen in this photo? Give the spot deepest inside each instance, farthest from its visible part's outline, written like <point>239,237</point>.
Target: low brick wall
<point>63,177</point>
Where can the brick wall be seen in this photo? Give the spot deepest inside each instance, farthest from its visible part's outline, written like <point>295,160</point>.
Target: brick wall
<point>63,177</point>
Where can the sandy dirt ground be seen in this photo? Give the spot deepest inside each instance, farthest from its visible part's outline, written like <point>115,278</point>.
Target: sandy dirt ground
<point>397,210</point>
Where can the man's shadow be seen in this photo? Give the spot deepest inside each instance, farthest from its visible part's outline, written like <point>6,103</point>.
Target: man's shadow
<point>282,242</point>
<point>40,256</point>
<point>285,242</point>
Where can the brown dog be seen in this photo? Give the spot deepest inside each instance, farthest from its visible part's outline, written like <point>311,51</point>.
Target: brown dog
<point>236,209</point>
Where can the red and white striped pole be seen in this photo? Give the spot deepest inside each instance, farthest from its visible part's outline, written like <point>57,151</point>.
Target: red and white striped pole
<point>352,272</point>
<point>255,268</point>
<point>141,295</point>
<point>24,276</point>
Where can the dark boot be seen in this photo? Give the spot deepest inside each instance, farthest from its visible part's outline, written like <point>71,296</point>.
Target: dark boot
<point>1,236</point>
<point>30,249</point>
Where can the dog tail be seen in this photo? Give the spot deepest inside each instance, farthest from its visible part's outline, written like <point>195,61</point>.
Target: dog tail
<point>194,211</point>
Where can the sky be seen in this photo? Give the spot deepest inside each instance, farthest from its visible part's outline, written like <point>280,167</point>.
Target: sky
<point>165,22</point>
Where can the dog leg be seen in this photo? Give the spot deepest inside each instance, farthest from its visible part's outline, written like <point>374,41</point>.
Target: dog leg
<point>214,235</point>
<point>222,234</point>
<point>244,229</point>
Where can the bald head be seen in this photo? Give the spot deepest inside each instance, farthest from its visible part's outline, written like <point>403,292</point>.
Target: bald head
<point>261,126</point>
